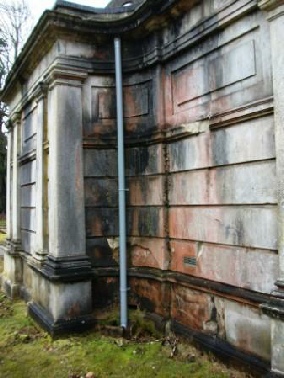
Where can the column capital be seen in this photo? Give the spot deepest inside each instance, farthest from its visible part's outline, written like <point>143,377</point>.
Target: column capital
<point>60,74</point>
<point>15,118</point>
<point>269,5</point>
<point>41,90</point>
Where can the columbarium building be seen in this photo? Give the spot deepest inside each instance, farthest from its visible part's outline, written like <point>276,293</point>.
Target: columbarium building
<point>202,105</point>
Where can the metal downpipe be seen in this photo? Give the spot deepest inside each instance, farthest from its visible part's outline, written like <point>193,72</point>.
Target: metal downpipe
<point>121,187</point>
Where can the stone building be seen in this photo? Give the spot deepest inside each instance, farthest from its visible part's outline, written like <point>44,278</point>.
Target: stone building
<point>203,89</point>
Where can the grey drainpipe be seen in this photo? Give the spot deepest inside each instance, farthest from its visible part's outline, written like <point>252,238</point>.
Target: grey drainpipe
<point>121,186</point>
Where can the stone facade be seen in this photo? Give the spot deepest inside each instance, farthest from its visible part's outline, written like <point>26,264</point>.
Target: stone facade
<point>203,93</point>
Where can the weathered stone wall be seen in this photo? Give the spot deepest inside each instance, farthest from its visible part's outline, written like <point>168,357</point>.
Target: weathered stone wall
<point>203,171</point>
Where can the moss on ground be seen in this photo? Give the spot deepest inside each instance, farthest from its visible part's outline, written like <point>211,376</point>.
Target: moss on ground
<point>27,351</point>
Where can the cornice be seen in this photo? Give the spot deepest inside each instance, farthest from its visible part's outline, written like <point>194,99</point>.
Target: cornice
<point>100,28</point>
<point>269,5</point>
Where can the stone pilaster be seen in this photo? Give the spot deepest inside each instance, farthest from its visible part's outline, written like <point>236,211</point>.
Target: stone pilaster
<point>275,309</point>
<point>41,179</point>
<point>8,184</point>
<point>66,272</point>
<point>15,229</point>
<point>12,275</point>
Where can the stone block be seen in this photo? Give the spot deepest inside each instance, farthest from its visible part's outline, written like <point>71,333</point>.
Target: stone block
<point>99,162</point>
<point>146,190</point>
<point>277,362</point>
<point>261,270</point>
<point>146,221</point>
<point>240,267</point>
<point>101,222</point>
<point>149,252</point>
<point>189,154</point>
<point>248,329</point>
<point>69,301</point>
<point>144,160</point>
<point>217,263</point>
<point>253,183</point>
<point>101,192</point>
<point>39,288</point>
<point>189,307</point>
<point>189,188</point>
<point>150,295</point>
<point>184,257</point>
<point>238,226</point>
<point>103,251</point>
<point>247,141</point>
<point>105,293</point>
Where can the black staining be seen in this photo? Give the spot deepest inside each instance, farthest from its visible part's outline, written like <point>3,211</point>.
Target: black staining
<point>219,147</point>
<point>105,292</point>
<point>144,222</point>
<point>100,253</point>
<point>148,222</point>
<point>180,152</point>
<point>137,161</point>
<point>101,222</point>
<point>101,192</point>
<point>236,232</point>
<point>100,163</point>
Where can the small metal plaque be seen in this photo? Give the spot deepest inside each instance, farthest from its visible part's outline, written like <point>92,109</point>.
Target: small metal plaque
<point>189,261</point>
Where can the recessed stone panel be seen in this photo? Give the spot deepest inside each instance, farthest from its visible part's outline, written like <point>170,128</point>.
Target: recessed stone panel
<point>28,172</point>
<point>28,196</point>
<point>222,69</point>
<point>28,219</point>
<point>136,101</point>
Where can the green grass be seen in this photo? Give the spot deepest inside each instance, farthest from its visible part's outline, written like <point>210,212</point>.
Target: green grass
<point>2,238</point>
<point>26,351</point>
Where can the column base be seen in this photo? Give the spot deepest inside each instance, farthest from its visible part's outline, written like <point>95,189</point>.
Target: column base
<point>67,269</point>
<point>11,289</point>
<point>61,295</point>
<point>12,276</point>
<point>275,310</point>
<point>60,326</point>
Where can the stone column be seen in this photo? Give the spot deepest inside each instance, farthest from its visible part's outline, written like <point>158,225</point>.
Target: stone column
<point>12,275</point>
<point>41,179</point>
<point>67,269</point>
<point>8,185</point>
<point>16,120</point>
<point>275,309</point>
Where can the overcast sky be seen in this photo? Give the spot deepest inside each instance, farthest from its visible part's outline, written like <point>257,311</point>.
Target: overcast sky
<point>37,7</point>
